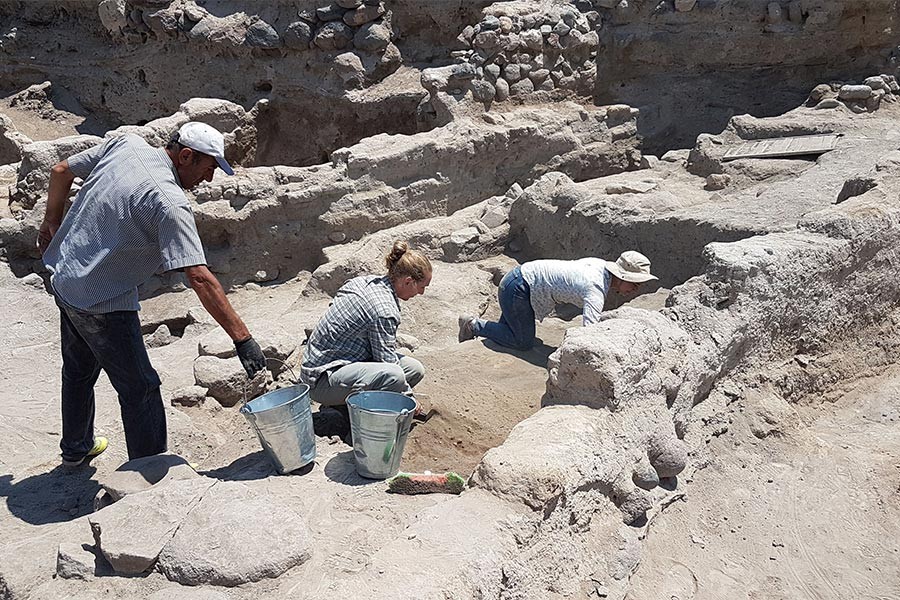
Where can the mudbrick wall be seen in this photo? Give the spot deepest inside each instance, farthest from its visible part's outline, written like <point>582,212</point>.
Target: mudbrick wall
<point>688,65</point>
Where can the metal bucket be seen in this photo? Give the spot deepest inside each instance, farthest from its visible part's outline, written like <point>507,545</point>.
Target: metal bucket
<point>283,422</point>
<point>379,422</point>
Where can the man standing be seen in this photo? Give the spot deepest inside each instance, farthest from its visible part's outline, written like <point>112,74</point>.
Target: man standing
<point>130,220</point>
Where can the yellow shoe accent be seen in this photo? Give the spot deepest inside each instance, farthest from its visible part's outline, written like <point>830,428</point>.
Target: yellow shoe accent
<point>100,444</point>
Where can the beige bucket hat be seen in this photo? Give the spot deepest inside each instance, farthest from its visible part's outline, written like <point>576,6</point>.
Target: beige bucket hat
<point>631,266</point>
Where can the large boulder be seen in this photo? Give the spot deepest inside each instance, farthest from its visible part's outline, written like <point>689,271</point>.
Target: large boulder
<point>236,535</point>
<point>141,474</point>
<point>132,532</point>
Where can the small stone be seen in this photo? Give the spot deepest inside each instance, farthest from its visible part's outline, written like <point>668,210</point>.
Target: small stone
<point>506,24</point>
<point>492,71</point>
<point>514,191</point>
<point>372,37</point>
<point>717,181</point>
<point>298,35</point>
<point>828,103</point>
<point>482,90</point>
<point>261,35</point>
<point>685,5</point>
<point>363,14</point>
<point>334,35</point>
<point>490,23</point>
<point>226,379</point>
<point>532,39</point>
<point>649,161</point>
<point>192,395</point>
<point>521,88</point>
<point>854,93</point>
<point>330,13</point>
<point>876,83</point>
<point>487,40</point>
<point>33,280</point>
<point>537,77</point>
<point>141,474</point>
<point>494,217</point>
<point>546,30</point>
<point>501,88</point>
<point>512,73</point>
<point>349,4</point>
<point>873,103</point>
<point>337,236</point>
<point>159,338</point>
<point>561,29</point>
<point>774,13</point>
<point>407,341</point>
<point>820,91</point>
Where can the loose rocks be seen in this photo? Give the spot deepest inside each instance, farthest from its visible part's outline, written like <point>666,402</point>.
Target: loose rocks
<point>226,379</point>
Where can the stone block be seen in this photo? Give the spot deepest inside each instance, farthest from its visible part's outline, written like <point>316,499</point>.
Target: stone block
<point>236,535</point>
<point>141,474</point>
<point>132,532</point>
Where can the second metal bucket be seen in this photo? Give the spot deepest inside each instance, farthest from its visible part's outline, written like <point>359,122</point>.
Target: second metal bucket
<point>283,422</point>
<point>379,422</point>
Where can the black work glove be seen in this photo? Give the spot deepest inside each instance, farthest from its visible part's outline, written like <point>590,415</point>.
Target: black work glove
<point>251,355</point>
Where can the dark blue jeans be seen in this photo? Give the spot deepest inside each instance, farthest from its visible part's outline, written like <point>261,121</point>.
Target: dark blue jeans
<point>112,342</point>
<point>516,326</point>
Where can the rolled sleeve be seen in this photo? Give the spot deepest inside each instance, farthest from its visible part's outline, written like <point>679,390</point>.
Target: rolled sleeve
<point>179,242</point>
<point>83,163</point>
<point>383,340</point>
<point>593,307</point>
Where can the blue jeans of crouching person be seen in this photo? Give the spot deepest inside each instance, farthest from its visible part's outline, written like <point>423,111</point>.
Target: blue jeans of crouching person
<point>516,326</point>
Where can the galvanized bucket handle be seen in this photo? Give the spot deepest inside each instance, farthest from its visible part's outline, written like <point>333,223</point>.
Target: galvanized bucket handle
<point>284,364</point>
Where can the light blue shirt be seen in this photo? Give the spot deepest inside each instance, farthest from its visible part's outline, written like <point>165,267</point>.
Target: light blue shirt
<point>583,282</point>
<point>129,221</point>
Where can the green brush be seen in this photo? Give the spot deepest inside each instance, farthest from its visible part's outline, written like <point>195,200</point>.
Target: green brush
<point>426,483</point>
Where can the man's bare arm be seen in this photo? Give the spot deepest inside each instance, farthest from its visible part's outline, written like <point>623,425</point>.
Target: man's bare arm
<point>213,298</point>
<point>61,178</point>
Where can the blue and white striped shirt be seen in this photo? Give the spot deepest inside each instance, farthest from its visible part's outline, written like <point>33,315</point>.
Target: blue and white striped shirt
<point>583,282</point>
<point>129,221</point>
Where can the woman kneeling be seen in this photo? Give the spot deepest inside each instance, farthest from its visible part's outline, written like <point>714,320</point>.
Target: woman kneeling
<point>353,347</point>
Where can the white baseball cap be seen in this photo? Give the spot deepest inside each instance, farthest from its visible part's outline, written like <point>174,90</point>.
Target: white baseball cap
<point>206,139</point>
<point>632,267</point>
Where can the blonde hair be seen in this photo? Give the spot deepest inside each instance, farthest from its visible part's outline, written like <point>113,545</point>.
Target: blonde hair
<point>403,262</point>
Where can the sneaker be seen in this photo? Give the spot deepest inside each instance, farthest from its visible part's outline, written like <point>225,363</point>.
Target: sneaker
<point>465,328</point>
<point>100,444</point>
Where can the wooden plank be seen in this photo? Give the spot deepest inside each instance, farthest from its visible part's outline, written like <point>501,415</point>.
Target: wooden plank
<point>786,146</point>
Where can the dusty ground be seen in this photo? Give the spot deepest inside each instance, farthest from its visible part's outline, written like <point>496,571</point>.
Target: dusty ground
<point>811,515</point>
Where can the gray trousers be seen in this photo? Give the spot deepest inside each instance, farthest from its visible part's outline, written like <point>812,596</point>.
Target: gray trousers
<point>332,388</point>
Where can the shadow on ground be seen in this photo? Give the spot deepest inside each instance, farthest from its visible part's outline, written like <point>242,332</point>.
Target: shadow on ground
<point>538,355</point>
<point>60,495</point>
<point>342,469</point>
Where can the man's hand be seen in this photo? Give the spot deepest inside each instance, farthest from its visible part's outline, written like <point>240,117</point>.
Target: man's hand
<point>45,234</point>
<point>251,355</point>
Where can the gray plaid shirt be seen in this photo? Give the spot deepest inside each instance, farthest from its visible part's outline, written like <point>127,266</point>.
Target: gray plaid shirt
<point>359,326</point>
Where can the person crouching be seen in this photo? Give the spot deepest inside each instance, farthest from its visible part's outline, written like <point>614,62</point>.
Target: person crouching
<point>354,346</point>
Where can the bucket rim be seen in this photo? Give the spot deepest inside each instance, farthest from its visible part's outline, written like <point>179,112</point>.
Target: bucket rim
<point>247,408</point>
<point>349,404</point>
